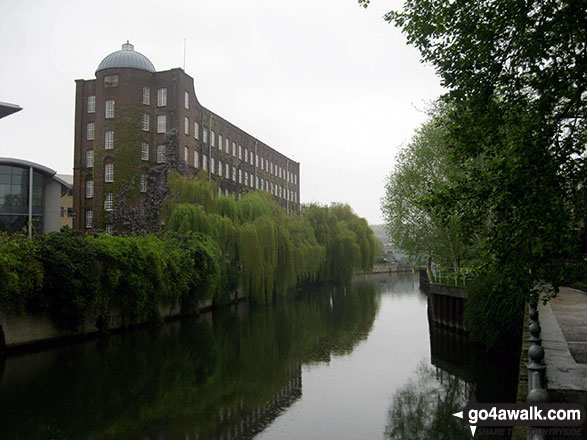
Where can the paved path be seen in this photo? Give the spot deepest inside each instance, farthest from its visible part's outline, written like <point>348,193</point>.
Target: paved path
<point>570,310</point>
<point>564,338</point>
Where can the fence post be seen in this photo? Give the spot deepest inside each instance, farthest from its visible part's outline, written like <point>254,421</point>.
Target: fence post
<point>536,370</point>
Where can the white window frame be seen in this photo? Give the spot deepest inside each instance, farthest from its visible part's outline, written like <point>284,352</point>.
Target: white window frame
<point>196,159</point>
<point>233,149</point>
<point>162,97</point>
<point>196,130</point>
<point>109,172</point>
<point>146,95</point>
<point>186,126</point>
<point>212,138</point>
<point>109,109</point>
<point>109,139</point>
<point>186,154</point>
<point>204,162</point>
<point>89,189</point>
<point>92,104</point>
<point>89,218</point>
<point>204,135</point>
<point>161,123</point>
<point>143,184</point>
<point>144,151</point>
<point>212,165</point>
<point>90,131</point>
<point>161,153</point>
<point>220,168</point>
<point>146,122</point>
<point>90,159</point>
<point>108,201</point>
<point>187,100</point>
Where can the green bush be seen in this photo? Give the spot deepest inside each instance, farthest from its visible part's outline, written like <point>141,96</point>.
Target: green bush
<point>71,277</point>
<point>493,313</point>
<point>21,272</point>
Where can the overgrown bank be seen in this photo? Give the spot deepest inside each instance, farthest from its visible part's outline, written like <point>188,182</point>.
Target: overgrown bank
<point>209,246</point>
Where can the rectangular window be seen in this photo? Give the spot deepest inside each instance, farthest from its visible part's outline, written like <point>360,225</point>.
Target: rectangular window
<point>227,146</point>
<point>89,218</point>
<point>109,109</point>
<point>233,174</point>
<point>109,172</point>
<point>220,142</point>
<point>90,159</point>
<point>240,152</point>
<point>160,153</point>
<point>246,155</point>
<point>186,154</point>
<point>109,139</point>
<point>227,171</point>
<point>212,167</point>
<point>89,189</point>
<point>144,151</point>
<point>143,183</point>
<point>108,201</point>
<point>146,95</point>
<point>212,138</point>
<point>205,135</point>
<point>161,123</point>
<point>187,100</point>
<point>90,131</point>
<point>186,128</point>
<point>196,159</point>
<point>240,176</point>
<point>246,179</point>
<point>196,130</point>
<point>92,104</point>
<point>220,168</point>
<point>205,162</point>
<point>233,149</point>
<point>161,97</point>
<point>146,122</point>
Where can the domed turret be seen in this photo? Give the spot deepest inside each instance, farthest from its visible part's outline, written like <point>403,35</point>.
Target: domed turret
<point>127,57</point>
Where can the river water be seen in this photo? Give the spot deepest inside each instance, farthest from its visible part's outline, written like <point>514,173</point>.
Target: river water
<point>360,362</point>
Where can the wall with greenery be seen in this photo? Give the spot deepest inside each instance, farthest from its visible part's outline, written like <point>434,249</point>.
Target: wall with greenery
<point>209,246</point>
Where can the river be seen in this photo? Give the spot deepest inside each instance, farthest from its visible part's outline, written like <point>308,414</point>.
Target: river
<point>359,362</point>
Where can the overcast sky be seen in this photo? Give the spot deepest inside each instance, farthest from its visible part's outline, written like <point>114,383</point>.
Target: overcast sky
<point>325,82</point>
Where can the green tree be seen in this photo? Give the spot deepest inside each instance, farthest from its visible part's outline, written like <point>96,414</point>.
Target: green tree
<point>515,74</point>
<point>421,166</point>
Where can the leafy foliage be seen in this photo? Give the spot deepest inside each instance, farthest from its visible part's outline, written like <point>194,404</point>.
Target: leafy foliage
<point>422,166</point>
<point>515,76</point>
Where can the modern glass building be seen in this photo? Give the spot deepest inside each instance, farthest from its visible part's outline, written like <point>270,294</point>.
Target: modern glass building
<point>30,197</point>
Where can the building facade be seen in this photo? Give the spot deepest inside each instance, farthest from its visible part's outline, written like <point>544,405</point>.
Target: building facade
<point>30,197</point>
<point>121,121</point>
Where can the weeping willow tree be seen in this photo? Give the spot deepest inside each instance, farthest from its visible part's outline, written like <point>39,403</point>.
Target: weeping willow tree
<point>348,240</point>
<point>264,250</point>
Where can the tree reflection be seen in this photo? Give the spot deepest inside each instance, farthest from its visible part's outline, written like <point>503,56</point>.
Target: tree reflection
<point>226,375</point>
<point>424,407</point>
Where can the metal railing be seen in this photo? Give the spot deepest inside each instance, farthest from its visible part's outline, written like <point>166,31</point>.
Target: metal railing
<point>448,277</point>
<point>536,369</point>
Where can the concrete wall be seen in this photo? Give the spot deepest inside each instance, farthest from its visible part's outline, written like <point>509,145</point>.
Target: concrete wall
<point>22,330</point>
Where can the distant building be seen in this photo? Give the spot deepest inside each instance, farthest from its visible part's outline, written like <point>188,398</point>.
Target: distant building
<point>30,197</point>
<point>67,202</point>
<point>121,119</point>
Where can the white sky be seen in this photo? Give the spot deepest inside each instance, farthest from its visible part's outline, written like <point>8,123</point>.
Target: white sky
<point>325,82</point>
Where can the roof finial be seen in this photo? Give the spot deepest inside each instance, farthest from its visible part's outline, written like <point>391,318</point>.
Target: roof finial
<point>128,46</point>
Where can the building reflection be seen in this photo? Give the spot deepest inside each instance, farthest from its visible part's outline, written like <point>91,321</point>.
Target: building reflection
<point>227,375</point>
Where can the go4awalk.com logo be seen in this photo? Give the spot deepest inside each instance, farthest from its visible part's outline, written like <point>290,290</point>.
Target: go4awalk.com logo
<point>521,414</point>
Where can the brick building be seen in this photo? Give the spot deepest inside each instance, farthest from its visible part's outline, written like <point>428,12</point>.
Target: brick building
<point>121,119</point>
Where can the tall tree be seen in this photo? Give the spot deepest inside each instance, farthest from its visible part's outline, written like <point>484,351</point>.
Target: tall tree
<point>421,166</point>
<point>515,74</point>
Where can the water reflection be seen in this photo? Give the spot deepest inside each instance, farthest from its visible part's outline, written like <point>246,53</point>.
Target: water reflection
<point>422,409</point>
<point>224,376</point>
